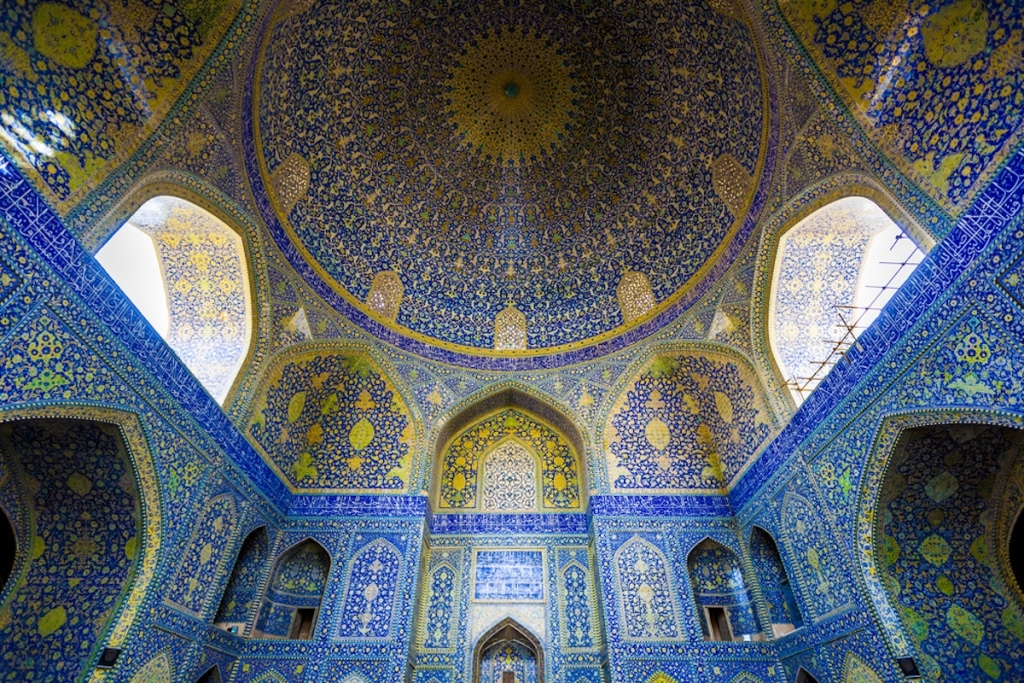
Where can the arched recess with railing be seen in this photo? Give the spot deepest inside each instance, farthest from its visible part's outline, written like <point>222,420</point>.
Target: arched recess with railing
<point>826,264</point>
<point>294,593</point>
<point>189,267</point>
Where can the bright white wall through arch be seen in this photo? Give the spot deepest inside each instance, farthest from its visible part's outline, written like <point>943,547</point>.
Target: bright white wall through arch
<point>834,271</point>
<point>187,273</point>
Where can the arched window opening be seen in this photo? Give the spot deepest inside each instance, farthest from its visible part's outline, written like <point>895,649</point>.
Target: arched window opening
<point>945,494</point>
<point>8,549</point>
<point>296,589</point>
<point>723,602</point>
<point>187,273</point>
<point>237,607</point>
<point>775,587</point>
<point>212,675</point>
<point>508,653</point>
<point>834,272</point>
<point>804,676</point>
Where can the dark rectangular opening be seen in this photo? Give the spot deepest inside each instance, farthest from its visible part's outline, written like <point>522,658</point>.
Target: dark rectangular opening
<point>508,677</point>
<point>302,623</point>
<point>718,624</point>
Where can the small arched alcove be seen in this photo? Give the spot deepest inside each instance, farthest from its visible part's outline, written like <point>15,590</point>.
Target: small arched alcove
<point>291,603</point>
<point>211,675</point>
<point>237,606</point>
<point>723,602</point>
<point>509,452</point>
<point>187,272</point>
<point>8,549</point>
<point>834,270</point>
<point>805,676</point>
<point>508,653</point>
<point>775,587</point>
<point>944,524</point>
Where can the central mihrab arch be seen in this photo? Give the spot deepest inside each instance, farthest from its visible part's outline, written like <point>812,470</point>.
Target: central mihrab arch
<point>514,649</point>
<point>509,427</point>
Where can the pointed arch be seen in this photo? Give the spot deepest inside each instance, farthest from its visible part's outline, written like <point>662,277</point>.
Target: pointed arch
<point>510,478</point>
<point>783,611</point>
<point>723,602</point>
<point>203,302</point>
<point>829,190</point>
<point>805,676</point>
<point>746,677</point>
<point>270,677</point>
<point>870,542</point>
<point>117,482</point>
<point>856,670</point>
<point>689,416</point>
<point>647,604</point>
<point>241,595</point>
<point>441,600</point>
<point>158,669</point>
<point>329,417</point>
<point>211,675</point>
<point>294,593</point>
<point>371,586</point>
<point>815,557</point>
<point>519,639</point>
<point>467,439</point>
<point>577,614</point>
<point>833,263</point>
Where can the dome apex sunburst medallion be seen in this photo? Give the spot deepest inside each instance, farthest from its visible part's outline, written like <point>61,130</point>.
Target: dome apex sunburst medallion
<point>510,96</point>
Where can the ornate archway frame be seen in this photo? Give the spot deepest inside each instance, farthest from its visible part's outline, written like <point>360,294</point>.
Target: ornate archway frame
<point>885,444</point>
<point>124,620</point>
<point>191,188</point>
<point>525,635</point>
<point>817,196</point>
<point>493,399</point>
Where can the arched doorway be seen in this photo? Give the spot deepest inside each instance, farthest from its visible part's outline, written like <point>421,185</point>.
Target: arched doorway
<point>508,653</point>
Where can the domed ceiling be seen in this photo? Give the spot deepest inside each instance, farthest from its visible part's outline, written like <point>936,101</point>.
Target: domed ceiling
<point>435,167</point>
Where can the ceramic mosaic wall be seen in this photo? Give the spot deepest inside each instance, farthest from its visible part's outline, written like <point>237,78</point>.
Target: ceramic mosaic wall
<point>375,572</point>
<point>212,533</point>
<point>899,65</point>
<point>512,461</point>
<point>940,567</point>
<point>206,275</point>
<point>649,602</point>
<point>716,575</point>
<point>81,499</point>
<point>331,420</point>
<point>686,421</point>
<point>71,110</point>
<point>825,586</point>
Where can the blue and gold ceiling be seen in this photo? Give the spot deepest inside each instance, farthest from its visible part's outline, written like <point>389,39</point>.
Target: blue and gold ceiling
<point>507,156</point>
